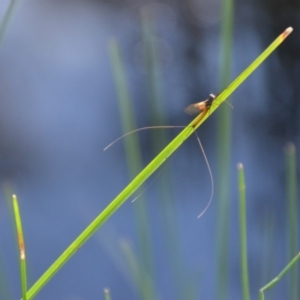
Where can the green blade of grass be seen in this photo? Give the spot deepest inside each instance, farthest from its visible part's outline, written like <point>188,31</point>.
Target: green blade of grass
<point>7,17</point>
<point>136,267</point>
<point>5,288</point>
<point>292,215</point>
<point>134,162</point>
<point>183,286</point>
<point>107,294</point>
<point>223,154</point>
<point>279,276</point>
<point>243,232</point>
<point>268,246</point>
<point>21,246</point>
<point>148,171</point>
<point>235,84</point>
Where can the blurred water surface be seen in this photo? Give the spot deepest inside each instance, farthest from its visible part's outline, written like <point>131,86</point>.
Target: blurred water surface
<point>59,110</point>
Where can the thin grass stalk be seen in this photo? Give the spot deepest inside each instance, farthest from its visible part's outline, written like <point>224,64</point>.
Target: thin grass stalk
<point>157,114</point>
<point>6,19</point>
<point>131,260</point>
<point>107,294</point>
<point>292,216</point>
<point>3,29</point>
<point>243,232</point>
<point>153,69</point>
<point>273,282</point>
<point>23,273</point>
<point>223,153</point>
<point>268,245</point>
<point>134,162</point>
<point>135,265</point>
<point>5,289</point>
<point>115,204</point>
<point>112,207</point>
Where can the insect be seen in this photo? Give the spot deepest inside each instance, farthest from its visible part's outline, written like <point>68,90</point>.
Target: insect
<point>200,108</point>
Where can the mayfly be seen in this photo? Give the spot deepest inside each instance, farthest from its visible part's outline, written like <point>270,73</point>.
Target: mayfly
<point>200,108</point>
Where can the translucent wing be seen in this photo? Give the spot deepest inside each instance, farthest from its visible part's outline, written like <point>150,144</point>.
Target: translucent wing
<point>194,109</point>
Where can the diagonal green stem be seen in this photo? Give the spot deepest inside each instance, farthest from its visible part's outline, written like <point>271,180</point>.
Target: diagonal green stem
<point>279,276</point>
<point>148,171</point>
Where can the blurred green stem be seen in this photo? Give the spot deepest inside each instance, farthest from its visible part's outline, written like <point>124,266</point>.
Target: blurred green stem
<point>279,277</point>
<point>223,152</point>
<point>134,163</point>
<point>292,216</point>
<point>6,19</point>
<point>243,232</point>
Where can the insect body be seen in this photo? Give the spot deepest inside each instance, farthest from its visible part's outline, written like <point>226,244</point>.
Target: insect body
<point>200,107</point>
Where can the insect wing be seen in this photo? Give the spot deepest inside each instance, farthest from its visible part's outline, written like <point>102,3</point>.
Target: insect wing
<point>193,109</point>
